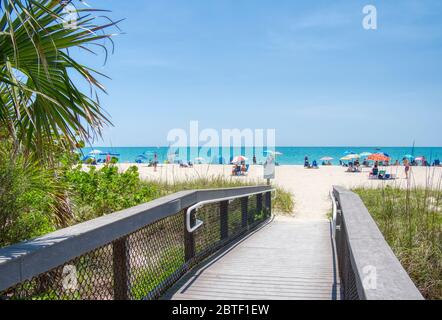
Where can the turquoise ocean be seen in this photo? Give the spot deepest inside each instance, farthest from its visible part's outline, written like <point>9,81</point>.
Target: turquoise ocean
<point>290,155</point>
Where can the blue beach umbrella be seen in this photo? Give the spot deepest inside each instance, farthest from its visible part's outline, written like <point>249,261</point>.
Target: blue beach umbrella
<point>409,156</point>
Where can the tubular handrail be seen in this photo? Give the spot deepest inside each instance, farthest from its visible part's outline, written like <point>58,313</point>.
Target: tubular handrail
<point>198,205</point>
<point>334,213</point>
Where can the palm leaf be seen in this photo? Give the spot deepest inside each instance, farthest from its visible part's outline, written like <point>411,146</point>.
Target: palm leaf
<point>38,99</point>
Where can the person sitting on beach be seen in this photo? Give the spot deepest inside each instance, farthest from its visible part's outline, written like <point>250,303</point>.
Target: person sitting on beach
<point>235,169</point>
<point>375,170</point>
<point>243,167</point>
<point>314,164</point>
<point>306,163</point>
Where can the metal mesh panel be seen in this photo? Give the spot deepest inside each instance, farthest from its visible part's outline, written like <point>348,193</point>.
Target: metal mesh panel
<point>207,237</point>
<point>235,223</point>
<point>349,289</point>
<point>87,277</point>
<point>145,263</point>
<point>255,209</point>
<point>156,257</point>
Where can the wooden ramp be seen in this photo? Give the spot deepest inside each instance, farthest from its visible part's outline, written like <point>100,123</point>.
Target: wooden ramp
<point>287,260</point>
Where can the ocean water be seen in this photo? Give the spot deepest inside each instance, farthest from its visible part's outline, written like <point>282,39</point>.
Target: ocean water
<point>290,155</point>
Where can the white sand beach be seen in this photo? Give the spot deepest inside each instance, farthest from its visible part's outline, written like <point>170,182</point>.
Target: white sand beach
<point>310,187</point>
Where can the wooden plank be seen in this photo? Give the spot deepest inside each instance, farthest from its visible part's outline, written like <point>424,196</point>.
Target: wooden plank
<point>283,260</point>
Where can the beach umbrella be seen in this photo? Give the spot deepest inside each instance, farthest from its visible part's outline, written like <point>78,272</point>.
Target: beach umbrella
<point>353,156</point>
<point>142,156</point>
<point>409,156</point>
<point>274,152</point>
<point>239,159</point>
<point>419,159</point>
<point>350,157</point>
<point>96,152</point>
<point>378,157</point>
<point>326,159</point>
<point>109,153</point>
<point>365,154</point>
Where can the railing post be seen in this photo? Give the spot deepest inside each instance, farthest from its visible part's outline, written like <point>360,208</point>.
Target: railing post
<point>244,211</point>
<point>189,240</point>
<point>268,203</point>
<point>259,203</point>
<point>120,269</point>
<point>224,219</point>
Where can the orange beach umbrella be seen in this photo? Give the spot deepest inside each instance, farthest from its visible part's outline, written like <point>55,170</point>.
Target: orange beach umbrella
<point>378,157</point>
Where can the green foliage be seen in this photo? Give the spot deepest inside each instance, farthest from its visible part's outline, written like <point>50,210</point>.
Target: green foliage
<point>98,192</point>
<point>283,202</point>
<point>27,195</point>
<point>411,222</point>
<point>39,102</point>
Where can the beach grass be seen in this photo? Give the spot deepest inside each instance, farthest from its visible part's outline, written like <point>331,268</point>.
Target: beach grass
<point>282,201</point>
<point>411,222</point>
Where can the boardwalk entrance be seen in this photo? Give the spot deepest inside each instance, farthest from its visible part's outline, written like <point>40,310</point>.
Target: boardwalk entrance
<point>290,259</point>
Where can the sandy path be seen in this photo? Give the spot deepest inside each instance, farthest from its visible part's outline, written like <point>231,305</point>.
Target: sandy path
<point>309,187</point>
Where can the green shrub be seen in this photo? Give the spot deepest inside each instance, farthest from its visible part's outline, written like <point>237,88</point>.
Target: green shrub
<point>27,198</point>
<point>98,192</point>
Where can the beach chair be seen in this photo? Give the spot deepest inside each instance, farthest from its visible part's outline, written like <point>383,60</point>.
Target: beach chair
<point>382,174</point>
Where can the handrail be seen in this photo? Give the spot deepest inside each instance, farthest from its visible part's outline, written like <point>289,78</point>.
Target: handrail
<point>334,213</point>
<point>368,267</point>
<point>198,205</point>
<point>27,259</point>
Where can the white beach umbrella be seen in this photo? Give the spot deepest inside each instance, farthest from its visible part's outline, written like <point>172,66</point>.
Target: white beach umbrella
<point>239,159</point>
<point>326,159</point>
<point>277,153</point>
<point>350,157</point>
<point>96,152</point>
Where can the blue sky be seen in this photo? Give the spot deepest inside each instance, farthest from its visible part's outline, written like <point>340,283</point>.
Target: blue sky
<point>305,68</point>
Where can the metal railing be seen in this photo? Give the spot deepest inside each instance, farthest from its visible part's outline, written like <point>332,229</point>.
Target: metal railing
<point>368,268</point>
<point>137,253</point>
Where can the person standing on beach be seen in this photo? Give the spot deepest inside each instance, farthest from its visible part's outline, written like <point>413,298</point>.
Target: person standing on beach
<point>407,167</point>
<point>254,159</point>
<point>155,162</point>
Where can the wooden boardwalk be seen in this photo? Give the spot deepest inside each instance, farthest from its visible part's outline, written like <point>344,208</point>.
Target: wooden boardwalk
<point>289,260</point>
